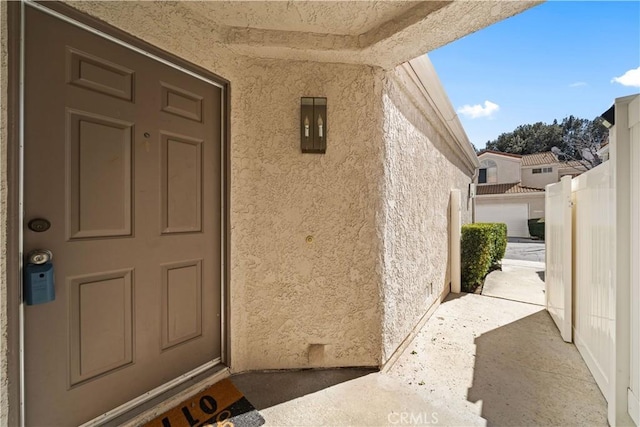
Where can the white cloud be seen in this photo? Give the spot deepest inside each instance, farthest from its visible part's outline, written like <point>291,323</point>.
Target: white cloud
<point>578,84</point>
<point>630,78</point>
<point>475,111</point>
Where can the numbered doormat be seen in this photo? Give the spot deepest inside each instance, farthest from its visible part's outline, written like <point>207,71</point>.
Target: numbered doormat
<point>221,405</point>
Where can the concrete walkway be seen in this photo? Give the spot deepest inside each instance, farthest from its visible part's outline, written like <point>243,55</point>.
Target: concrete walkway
<point>477,361</point>
<point>517,281</point>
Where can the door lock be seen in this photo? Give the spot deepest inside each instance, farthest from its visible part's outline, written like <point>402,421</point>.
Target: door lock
<point>39,256</point>
<point>38,282</point>
<point>39,225</point>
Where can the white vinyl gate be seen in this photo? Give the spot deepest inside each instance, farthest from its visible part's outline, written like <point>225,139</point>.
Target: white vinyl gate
<point>558,254</point>
<point>593,248</point>
<point>593,265</point>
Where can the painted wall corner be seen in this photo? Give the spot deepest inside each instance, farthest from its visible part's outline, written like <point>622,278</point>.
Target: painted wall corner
<point>421,168</point>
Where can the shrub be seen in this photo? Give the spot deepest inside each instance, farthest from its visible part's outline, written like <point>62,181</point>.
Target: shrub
<point>482,245</point>
<point>500,242</point>
<point>536,228</point>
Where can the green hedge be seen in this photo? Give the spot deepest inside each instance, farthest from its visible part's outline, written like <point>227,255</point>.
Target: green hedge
<point>536,228</point>
<point>500,241</point>
<point>483,246</point>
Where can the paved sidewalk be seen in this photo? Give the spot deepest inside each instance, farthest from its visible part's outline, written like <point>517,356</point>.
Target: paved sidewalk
<point>517,281</point>
<point>525,249</point>
<point>477,361</point>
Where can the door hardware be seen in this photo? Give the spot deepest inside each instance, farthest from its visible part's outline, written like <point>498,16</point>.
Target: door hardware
<point>39,225</point>
<point>39,284</point>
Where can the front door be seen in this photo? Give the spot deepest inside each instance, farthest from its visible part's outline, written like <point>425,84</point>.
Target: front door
<point>122,158</point>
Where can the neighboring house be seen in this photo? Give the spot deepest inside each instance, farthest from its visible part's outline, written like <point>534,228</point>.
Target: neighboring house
<point>510,187</point>
<point>190,234</point>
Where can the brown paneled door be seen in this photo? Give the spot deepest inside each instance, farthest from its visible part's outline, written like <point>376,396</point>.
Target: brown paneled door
<point>123,158</point>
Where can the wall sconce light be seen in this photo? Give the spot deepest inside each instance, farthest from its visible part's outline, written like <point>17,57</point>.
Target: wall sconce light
<point>313,125</point>
<point>609,117</point>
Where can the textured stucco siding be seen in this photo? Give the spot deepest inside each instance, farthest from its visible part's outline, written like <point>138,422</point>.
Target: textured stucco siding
<point>287,294</point>
<point>421,169</point>
<point>375,206</point>
<point>508,169</point>
<point>539,180</point>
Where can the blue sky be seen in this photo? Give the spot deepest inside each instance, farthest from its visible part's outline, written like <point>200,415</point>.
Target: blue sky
<point>551,61</point>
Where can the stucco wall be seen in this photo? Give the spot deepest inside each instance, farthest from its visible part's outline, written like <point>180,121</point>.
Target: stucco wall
<point>421,169</point>
<point>386,176</point>
<point>508,169</point>
<point>287,294</point>
<point>539,180</point>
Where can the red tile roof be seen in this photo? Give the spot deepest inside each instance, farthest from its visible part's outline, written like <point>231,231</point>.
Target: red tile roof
<point>573,164</point>
<point>545,158</point>
<point>513,188</point>
<point>517,156</point>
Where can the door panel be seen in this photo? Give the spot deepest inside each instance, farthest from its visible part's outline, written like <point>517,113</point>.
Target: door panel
<point>122,156</point>
<point>100,168</point>
<point>181,307</point>
<point>101,328</point>
<point>181,175</point>
<point>181,102</point>
<point>100,75</point>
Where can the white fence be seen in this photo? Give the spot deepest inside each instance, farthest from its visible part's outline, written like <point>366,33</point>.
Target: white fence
<point>558,277</point>
<point>593,247</point>
<point>634,156</point>
<point>593,265</point>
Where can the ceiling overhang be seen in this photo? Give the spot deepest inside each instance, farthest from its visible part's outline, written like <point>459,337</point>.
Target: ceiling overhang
<point>381,33</point>
<point>423,27</point>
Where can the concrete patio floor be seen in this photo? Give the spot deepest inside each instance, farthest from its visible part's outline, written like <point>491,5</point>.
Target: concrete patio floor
<point>477,361</point>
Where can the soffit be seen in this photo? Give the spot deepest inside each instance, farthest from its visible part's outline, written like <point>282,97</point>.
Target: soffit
<point>350,18</point>
<point>380,33</point>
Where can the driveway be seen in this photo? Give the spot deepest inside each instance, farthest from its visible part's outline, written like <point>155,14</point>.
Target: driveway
<point>525,249</point>
<point>521,277</point>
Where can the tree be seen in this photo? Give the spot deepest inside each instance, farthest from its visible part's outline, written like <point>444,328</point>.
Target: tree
<point>581,141</point>
<point>572,139</point>
<point>528,139</point>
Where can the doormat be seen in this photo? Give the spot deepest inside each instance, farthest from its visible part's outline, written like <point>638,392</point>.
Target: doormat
<point>221,405</point>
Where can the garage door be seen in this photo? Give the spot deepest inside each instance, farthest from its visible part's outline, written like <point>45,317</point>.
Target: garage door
<point>515,215</point>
